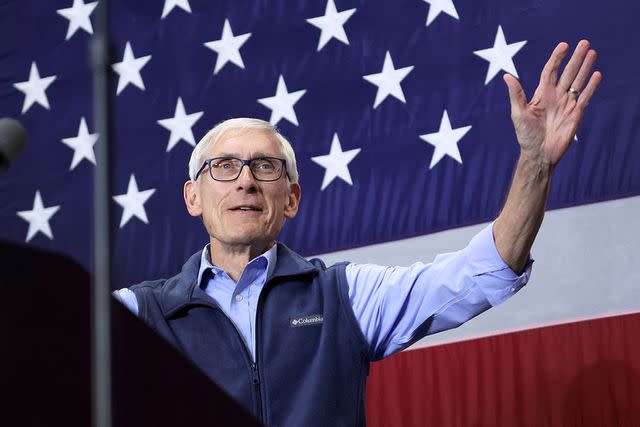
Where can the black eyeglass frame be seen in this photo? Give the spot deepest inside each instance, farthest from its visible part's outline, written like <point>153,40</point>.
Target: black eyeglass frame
<point>245,162</point>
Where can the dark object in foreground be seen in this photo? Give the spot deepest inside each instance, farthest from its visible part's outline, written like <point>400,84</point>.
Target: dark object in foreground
<point>45,356</point>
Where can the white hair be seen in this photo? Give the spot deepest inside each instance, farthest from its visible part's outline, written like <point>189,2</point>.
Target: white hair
<point>214,135</point>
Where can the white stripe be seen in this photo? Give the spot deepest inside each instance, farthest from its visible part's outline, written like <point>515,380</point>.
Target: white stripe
<point>587,265</point>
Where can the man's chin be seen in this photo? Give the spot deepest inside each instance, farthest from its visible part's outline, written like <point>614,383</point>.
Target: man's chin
<point>248,240</point>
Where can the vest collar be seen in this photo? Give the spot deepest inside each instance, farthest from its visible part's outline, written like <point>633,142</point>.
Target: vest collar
<point>181,290</point>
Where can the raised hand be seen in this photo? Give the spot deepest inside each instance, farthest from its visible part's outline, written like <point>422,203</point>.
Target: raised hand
<point>546,126</point>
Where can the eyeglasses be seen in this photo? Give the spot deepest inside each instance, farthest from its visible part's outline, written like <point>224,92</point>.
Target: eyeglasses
<point>229,168</point>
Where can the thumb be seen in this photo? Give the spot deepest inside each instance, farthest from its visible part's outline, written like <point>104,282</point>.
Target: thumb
<point>516,94</point>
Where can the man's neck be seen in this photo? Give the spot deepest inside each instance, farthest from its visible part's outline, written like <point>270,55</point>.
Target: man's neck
<point>234,258</point>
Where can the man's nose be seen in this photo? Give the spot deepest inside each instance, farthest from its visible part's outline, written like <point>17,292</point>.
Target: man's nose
<point>246,179</point>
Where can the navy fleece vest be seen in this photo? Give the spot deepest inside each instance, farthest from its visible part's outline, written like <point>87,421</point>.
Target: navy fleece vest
<point>309,370</point>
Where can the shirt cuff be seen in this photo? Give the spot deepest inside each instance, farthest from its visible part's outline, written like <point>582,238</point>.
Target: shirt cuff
<point>489,271</point>
<point>128,298</point>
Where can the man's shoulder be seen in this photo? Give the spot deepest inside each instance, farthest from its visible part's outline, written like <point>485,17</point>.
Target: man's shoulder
<point>186,276</point>
<point>321,265</point>
<point>292,262</point>
<point>149,284</point>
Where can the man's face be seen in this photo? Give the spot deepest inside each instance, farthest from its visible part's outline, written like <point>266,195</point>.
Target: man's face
<point>220,203</point>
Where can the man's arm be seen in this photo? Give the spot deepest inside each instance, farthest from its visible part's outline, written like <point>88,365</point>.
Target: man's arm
<point>545,128</point>
<point>396,306</point>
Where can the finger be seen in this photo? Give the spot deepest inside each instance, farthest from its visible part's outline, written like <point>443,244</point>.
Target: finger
<point>585,70</point>
<point>550,71</point>
<point>573,66</point>
<point>516,94</point>
<point>588,91</point>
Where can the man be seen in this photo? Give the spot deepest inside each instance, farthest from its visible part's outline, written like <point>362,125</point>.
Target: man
<point>292,339</point>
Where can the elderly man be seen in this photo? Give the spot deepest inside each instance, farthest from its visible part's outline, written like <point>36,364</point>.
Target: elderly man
<point>292,339</point>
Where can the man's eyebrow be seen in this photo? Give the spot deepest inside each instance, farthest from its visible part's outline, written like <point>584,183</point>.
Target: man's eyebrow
<point>236,155</point>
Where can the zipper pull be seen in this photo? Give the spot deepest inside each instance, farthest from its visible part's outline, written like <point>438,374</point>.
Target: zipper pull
<point>256,378</point>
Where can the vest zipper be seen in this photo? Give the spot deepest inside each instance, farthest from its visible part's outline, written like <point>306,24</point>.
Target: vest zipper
<point>256,373</point>
<point>255,376</point>
<point>256,383</point>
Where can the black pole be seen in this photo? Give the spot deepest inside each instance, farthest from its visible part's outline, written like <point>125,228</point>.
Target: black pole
<point>101,326</point>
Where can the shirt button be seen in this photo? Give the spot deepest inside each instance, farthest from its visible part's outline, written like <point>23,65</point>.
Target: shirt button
<point>238,298</point>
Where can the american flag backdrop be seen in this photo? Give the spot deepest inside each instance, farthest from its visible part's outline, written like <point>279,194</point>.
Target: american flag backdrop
<point>397,112</point>
<point>400,120</point>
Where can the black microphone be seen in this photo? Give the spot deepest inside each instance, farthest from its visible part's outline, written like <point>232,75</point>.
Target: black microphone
<point>13,138</point>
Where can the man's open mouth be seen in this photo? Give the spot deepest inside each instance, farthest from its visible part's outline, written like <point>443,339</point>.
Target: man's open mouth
<point>247,208</point>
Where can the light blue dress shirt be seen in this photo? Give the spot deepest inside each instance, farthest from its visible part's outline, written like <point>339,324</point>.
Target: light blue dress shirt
<point>390,303</point>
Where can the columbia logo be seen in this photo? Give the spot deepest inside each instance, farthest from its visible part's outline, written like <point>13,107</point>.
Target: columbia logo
<point>313,319</point>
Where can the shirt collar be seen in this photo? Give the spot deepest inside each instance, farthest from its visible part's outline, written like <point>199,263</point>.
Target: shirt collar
<point>270,256</point>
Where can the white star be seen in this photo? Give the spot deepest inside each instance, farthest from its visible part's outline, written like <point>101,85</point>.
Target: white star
<point>38,218</point>
<point>170,4</point>
<point>133,202</point>
<point>437,6</point>
<point>180,125</point>
<point>129,69</point>
<point>34,89</point>
<point>388,80</point>
<point>500,56</point>
<point>78,16</point>
<point>82,145</point>
<point>228,47</point>
<point>331,24</point>
<point>281,104</point>
<point>336,163</point>
<point>445,140</point>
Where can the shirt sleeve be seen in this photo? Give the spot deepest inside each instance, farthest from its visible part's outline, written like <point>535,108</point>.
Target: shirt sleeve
<point>128,298</point>
<point>396,306</point>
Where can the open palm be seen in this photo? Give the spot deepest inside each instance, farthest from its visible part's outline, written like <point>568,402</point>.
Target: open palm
<point>545,127</point>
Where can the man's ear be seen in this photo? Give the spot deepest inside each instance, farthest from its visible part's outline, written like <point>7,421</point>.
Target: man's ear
<point>295,192</point>
<point>192,198</point>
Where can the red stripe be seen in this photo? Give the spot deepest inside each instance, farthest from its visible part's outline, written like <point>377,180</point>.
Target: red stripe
<point>578,374</point>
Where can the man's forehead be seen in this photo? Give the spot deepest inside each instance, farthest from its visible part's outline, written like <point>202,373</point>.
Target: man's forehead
<point>239,141</point>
